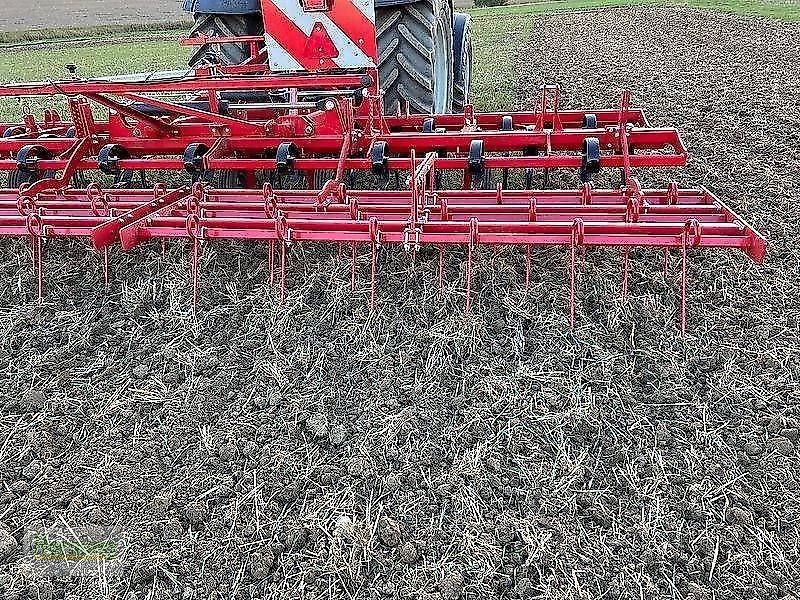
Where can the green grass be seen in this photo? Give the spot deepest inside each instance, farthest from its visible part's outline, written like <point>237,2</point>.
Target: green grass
<point>102,31</point>
<point>108,59</point>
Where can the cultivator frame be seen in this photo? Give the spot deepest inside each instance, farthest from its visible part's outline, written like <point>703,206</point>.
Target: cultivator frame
<point>320,129</point>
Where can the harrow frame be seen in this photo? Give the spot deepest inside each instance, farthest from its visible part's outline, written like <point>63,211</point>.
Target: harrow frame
<point>248,120</point>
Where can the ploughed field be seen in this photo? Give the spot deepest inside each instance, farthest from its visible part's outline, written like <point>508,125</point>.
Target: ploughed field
<point>311,450</point>
<point>17,15</point>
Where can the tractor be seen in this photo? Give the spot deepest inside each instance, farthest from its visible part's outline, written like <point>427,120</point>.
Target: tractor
<point>424,48</point>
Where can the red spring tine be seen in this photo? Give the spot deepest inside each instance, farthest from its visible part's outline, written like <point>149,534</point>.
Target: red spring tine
<point>33,222</point>
<point>527,267</point>
<point>373,230</point>
<point>352,266</point>
<point>100,207</point>
<point>625,256</point>
<point>469,278</point>
<point>39,268</point>
<point>194,232</point>
<point>440,274</point>
<point>105,265</point>
<point>195,271</point>
<point>282,232</point>
<point>473,240</point>
<point>576,239</point>
<point>683,281</point>
<point>271,262</point>
<point>283,272</point>
<point>572,283</point>
<point>373,277</point>
<point>270,210</point>
<point>693,226</point>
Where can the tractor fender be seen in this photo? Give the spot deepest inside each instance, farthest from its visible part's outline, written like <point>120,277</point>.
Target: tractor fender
<point>385,3</point>
<point>461,23</point>
<point>389,3</point>
<point>246,7</point>
<point>223,7</point>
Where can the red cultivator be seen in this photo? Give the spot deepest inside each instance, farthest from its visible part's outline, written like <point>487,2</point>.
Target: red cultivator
<point>311,157</point>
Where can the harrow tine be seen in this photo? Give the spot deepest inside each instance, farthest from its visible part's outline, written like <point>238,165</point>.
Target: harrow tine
<point>468,307</point>
<point>373,277</point>
<point>374,234</point>
<point>39,266</point>
<point>195,272</point>
<point>35,226</point>
<point>473,240</point>
<point>352,266</point>
<point>572,285</point>
<point>194,231</point>
<point>527,267</point>
<point>105,266</point>
<point>683,284</point>
<point>693,226</point>
<point>625,257</point>
<point>272,262</point>
<point>440,272</point>
<point>283,272</point>
<point>576,239</point>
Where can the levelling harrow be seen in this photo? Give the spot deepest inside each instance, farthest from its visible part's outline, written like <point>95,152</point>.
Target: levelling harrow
<point>284,158</point>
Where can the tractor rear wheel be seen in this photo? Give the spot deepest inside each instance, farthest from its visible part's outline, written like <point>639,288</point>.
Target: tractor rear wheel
<point>415,56</point>
<point>217,25</point>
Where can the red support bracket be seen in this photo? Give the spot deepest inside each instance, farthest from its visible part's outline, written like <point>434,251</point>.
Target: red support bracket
<point>109,232</point>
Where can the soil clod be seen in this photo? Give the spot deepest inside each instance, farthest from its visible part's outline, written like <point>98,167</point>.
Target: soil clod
<point>409,553</point>
<point>389,532</point>
<point>317,425</point>
<point>781,445</point>
<point>338,434</point>
<point>451,586</point>
<point>8,544</point>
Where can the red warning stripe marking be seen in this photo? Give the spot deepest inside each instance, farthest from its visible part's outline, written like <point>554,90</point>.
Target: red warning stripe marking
<point>285,32</point>
<point>356,26</point>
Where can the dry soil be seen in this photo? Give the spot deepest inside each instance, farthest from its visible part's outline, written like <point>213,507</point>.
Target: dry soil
<point>310,450</point>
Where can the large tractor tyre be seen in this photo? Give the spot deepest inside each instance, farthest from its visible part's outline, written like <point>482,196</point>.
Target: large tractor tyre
<point>462,61</point>
<point>216,25</point>
<point>415,56</point>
